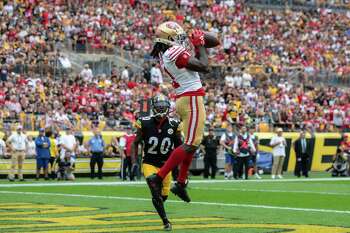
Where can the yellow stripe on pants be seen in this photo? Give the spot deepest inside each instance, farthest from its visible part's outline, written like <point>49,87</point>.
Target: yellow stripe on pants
<point>150,169</point>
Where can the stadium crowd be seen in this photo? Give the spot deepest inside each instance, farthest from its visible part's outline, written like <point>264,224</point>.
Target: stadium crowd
<point>259,50</point>
<point>33,32</point>
<point>111,102</point>
<point>314,40</point>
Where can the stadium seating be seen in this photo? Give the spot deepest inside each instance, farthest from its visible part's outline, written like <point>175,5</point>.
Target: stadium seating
<point>267,44</point>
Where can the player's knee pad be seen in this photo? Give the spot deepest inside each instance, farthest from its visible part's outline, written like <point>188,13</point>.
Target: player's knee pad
<point>164,198</point>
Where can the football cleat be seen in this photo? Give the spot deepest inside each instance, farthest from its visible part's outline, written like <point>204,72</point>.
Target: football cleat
<point>155,184</point>
<point>179,190</point>
<point>168,227</point>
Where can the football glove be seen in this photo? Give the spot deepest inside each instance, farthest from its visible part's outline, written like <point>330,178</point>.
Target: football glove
<point>197,38</point>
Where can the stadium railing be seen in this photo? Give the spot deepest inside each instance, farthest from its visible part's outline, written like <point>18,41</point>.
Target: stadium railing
<point>82,166</point>
<point>338,5</point>
<point>33,122</point>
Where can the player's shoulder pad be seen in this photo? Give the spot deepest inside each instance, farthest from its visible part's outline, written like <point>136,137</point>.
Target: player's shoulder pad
<point>173,52</point>
<point>174,122</point>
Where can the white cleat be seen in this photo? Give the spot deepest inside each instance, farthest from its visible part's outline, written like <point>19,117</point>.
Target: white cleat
<point>257,176</point>
<point>273,177</point>
<point>280,177</point>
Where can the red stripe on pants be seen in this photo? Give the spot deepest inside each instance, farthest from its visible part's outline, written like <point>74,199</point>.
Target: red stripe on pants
<point>189,125</point>
<point>196,123</point>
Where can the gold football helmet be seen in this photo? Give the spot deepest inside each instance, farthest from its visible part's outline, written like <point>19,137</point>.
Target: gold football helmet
<point>171,33</point>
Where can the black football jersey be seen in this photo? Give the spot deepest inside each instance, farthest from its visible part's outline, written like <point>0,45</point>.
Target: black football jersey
<point>159,141</point>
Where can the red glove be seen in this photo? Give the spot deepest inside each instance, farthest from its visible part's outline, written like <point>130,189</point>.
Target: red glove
<point>197,38</point>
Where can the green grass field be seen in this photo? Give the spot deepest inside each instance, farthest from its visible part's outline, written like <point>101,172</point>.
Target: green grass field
<point>289,205</point>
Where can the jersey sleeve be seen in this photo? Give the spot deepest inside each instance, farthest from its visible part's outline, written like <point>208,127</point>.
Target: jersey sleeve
<point>182,60</point>
<point>178,55</point>
<point>138,124</point>
<point>176,125</point>
<point>223,138</point>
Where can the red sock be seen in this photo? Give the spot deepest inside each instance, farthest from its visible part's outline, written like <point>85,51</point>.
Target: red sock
<point>185,165</point>
<point>176,157</point>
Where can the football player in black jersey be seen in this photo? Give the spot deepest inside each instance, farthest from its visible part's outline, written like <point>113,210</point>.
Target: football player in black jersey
<point>159,135</point>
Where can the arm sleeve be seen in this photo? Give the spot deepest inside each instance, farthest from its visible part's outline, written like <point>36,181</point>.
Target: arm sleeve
<point>223,138</point>
<point>182,60</point>
<point>235,145</point>
<point>252,146</point>
<point>138,124</point>
<point>38,142</point>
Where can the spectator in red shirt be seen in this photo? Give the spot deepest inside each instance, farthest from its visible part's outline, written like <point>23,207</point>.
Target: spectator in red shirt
<point>125,145</point>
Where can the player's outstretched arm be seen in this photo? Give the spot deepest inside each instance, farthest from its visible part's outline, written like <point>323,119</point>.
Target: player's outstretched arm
<point>186,60</point>
<point>201,64</point>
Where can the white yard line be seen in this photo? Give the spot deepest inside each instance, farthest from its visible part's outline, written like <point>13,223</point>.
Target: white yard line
<point>273,181</point>
<point>272,191</point>
<point>174,201</point>
<point>116,183</point>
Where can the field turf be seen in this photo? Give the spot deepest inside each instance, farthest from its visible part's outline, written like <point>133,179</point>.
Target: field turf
<point>319,204</point>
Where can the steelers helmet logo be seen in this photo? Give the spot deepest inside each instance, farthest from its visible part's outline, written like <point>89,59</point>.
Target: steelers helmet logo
<point>170,131</point>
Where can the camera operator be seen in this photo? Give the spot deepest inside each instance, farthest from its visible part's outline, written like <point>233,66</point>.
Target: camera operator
<point>66,167</point>
<point>243,147</point>
<point>226,142</point>
<point>68,143</point>
<point>254,155</point>
<point>66,161</point>
<point>344,148</point>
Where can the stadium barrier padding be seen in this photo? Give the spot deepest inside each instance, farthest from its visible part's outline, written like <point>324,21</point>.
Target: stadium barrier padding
<point>322,149</point>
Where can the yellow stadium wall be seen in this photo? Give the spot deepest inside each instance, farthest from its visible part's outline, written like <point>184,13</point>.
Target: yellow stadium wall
<point>323,147</point>
<point>82,164</point>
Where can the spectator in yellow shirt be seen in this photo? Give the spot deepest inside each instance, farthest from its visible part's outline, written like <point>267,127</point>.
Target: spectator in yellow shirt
<point>53,153</point>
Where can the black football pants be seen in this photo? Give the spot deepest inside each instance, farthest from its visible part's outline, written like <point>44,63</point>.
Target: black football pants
<point>127,164</point>
<point>96,158</point>
<point>243,162</point>
<point>210,163</point>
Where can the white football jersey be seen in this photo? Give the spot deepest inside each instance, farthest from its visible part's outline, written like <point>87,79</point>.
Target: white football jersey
<point>184,80</point>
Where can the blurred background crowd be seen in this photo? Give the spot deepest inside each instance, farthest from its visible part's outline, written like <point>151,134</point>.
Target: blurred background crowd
<point>280,67</point>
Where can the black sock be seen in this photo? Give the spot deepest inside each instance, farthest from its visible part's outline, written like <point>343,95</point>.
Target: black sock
<point>159,206</point>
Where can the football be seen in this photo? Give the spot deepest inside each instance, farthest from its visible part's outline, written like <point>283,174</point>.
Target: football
<point>211,40</point>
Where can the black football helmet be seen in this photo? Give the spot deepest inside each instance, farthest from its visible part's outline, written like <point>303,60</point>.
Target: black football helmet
<point>160,106</point>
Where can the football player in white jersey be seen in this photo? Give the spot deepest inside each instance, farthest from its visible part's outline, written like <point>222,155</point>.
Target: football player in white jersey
<point>182,57</point>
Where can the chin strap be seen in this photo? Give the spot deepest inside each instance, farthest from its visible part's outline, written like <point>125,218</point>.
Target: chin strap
<point>163,115</point>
